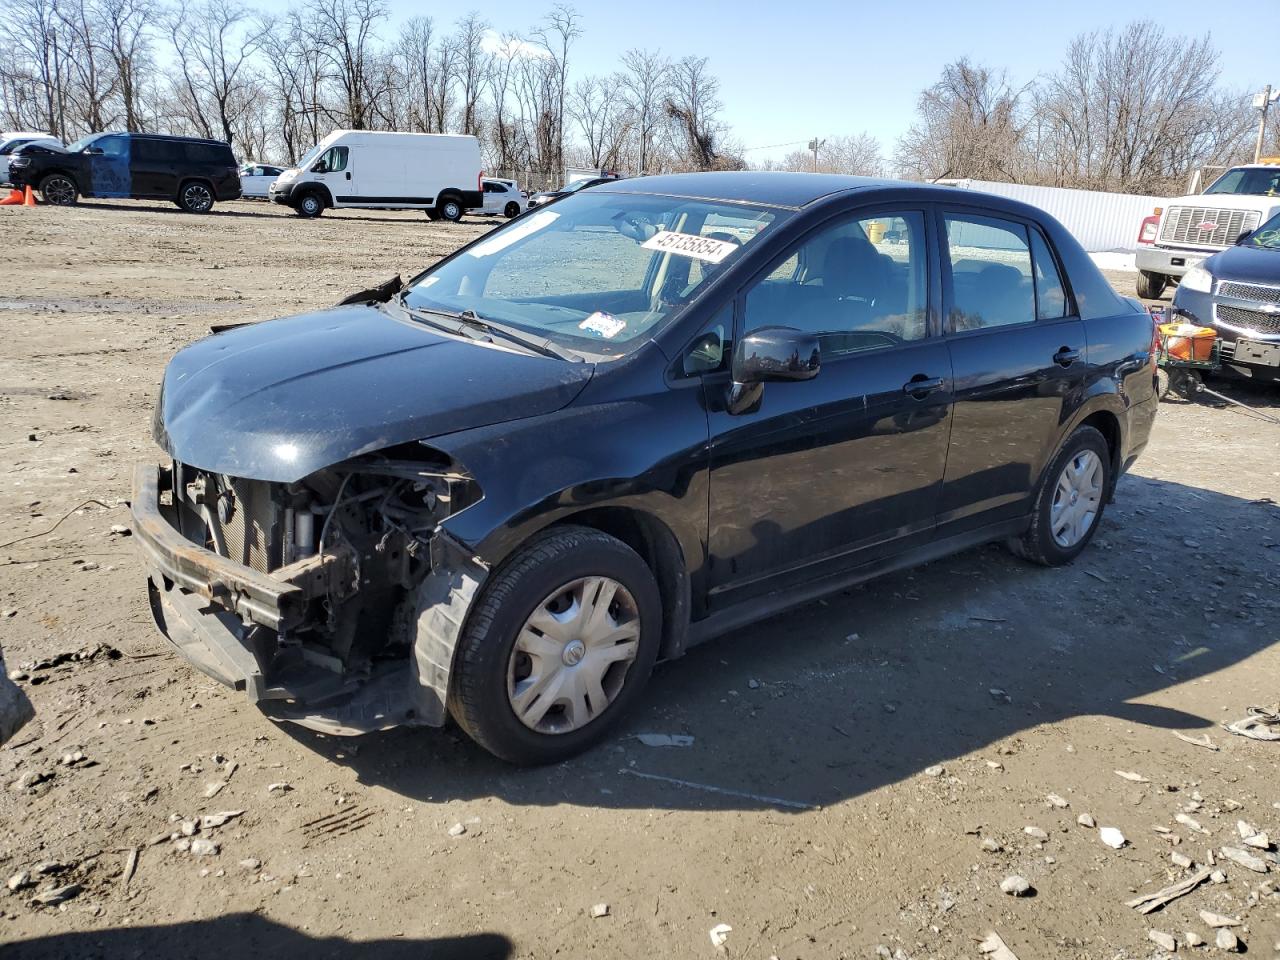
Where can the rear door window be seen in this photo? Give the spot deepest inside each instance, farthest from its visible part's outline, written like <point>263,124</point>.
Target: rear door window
<point>1051,296</point>
<point>992,280</point>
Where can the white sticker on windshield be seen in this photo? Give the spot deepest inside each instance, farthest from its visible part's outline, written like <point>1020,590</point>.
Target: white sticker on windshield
<point>688,245</point>
<point>603,325</point>
<point>506,236</point>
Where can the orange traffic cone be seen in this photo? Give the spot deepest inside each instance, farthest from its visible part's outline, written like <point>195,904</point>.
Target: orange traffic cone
<point>14,198</point>
<point>30,199</point>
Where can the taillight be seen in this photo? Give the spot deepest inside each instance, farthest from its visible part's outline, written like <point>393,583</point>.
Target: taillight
<point>1149,229</point>
<point>480,182</point>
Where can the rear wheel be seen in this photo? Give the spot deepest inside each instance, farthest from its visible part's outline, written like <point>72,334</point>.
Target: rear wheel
<point>1151,285</point>
<point>512,210</point>
<point>557,648</point>
<point>1071,501</point>
<point>450,208</point>
<point>59,190</point>
<point>310,205</point>
<point>195,196</point>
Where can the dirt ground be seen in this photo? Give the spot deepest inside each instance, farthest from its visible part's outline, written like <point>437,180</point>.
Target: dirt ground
<point>863,771</point>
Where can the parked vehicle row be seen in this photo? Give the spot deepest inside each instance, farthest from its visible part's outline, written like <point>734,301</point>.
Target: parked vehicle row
<point>437,173</point>
<point>1180,235</point>
<point>1236,293</point>
<point>610,429</point>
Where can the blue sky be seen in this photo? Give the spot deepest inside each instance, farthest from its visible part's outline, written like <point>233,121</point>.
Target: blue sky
<point>792,69</point>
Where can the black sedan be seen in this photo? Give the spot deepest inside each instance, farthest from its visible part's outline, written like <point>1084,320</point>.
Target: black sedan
<point>1237,292</point>
<point>660,410</point>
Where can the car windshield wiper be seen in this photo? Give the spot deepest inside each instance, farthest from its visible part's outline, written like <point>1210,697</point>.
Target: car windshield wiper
<point>470,319</point>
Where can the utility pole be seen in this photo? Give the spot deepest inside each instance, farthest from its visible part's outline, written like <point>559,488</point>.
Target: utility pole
<point>815,145</point>
<point>1262,101</point>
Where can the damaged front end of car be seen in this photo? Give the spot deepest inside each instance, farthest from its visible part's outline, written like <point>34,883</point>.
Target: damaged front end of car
<point>333,601</point>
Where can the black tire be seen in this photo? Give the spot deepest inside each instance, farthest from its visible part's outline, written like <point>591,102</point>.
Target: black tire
<point>1038,544</point>
<point>1162,383</point>
<point>512,210</point>
<point>478,696</point>
<point>1151,285</point>
<point>196,196</point>
<point>450,208</point>
<point>59,190</point>
<point>310,204</point>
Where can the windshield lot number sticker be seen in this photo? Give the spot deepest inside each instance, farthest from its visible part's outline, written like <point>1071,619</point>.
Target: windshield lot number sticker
<point>603,325</point>
<point>687,245</point>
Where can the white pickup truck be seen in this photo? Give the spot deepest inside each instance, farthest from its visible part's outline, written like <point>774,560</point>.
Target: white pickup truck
<point>1188,229</point>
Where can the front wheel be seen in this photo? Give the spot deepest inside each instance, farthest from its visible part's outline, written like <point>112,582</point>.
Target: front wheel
<point>557,648</point>
<point>1151,285</point>
<point>59,190</point>
<point>1071,501</point>
<point>310,205</point>
<point>195,197</point>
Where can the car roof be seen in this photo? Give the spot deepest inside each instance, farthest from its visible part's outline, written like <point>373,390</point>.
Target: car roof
<point>133,134</point>
<point>797,190</point>
<point>772,188</point>
<point>11,134</point>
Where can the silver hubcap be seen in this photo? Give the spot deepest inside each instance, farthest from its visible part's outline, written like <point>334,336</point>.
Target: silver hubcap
<point>59,191</point>
<point>197,197</point>
<point>1076,499</point>
<point>571,657</point>
<point>310,204</point>
<point>452,211</point>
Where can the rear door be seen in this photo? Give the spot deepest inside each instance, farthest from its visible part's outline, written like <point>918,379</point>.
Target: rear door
<point>154,164</point>
<point>826,474</point>
<point>1018,353</point>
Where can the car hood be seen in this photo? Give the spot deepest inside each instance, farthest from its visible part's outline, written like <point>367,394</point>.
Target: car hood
<point>279,400</point>
<point>1246,264</point>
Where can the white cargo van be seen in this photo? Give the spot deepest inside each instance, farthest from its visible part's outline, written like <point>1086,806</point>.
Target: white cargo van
<point>436,172</point>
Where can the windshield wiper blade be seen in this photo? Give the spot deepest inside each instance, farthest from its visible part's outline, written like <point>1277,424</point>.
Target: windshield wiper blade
<point>468,323</point>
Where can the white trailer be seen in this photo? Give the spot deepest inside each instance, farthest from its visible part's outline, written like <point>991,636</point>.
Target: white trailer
<point>436,172</point>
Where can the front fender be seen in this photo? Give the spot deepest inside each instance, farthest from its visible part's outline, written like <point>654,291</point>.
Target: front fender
<point>644,455</point>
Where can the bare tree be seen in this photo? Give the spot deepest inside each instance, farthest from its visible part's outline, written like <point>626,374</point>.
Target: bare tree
<point>857,156</point>
<point>343,34</point>
<point>969,126</point>
<point>1115,116</point>
<point>644,81</point>
<point>559,29</point>
<point>693,106</point>
<point>126,25</point>
<point>214,40</point>
<point>602,119</point>
<point>471,64</point>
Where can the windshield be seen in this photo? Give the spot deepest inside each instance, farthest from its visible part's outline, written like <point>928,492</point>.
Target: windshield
<point>1256,181</point>
<point>82,143</point>
<point>597,272</point>
<point>575,186</point>
<point>310,156</point>
<point>1267,236</point>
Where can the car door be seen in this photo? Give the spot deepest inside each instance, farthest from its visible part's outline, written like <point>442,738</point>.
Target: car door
<point>1018,353</point>
<point>334,169</point>
<point>824,474</point>
<point>109,167</point>
<point>152,164</point>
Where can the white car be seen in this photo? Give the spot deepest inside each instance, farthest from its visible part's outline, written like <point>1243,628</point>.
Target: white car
<point>503,198</point>
<point>256,179</point>
<point>11,140</point>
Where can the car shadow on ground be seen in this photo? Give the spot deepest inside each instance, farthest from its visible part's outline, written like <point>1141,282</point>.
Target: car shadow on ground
<point>246,935</point>
<point>263,208</point>
<point>873,684</point>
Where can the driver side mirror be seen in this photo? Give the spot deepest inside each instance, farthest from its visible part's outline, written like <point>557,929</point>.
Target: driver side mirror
<point>1243,237</point>
<point>776,353</point>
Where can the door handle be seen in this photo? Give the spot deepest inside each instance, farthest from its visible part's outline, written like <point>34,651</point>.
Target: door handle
<point>348,174</point>
<point>921,386</point>
<point>1065,357</point>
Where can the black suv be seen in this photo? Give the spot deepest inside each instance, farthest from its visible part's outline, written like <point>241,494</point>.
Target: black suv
<point>658,411</point>
<point>191,172</point>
